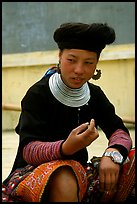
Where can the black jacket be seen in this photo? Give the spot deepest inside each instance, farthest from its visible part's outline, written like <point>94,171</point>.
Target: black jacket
<point>46,119</point>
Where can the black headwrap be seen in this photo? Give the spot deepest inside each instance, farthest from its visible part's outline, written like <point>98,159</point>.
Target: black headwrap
<point>92,37</point>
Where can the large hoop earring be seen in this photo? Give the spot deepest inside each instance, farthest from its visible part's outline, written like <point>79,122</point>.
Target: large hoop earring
<point>98,75</point>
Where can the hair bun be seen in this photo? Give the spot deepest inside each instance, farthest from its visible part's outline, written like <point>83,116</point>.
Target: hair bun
<point>103,32</point>
<point>75,35</point>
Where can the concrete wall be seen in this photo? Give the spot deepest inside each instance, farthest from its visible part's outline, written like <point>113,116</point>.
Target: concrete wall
<point>29,26</point>
<point>117,62</point>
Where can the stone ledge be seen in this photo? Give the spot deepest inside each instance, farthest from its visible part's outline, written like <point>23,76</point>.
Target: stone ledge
<point>111,52</point>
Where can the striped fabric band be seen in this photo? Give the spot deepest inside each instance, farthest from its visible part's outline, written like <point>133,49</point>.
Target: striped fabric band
<point>37,152</point>
<point>122,138</point>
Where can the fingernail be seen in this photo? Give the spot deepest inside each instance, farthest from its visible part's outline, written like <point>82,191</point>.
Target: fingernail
<point>92,120</point>
<point>87,123</point>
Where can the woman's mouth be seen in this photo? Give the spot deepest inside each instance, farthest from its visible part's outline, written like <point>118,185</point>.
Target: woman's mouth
<point>78,79</point>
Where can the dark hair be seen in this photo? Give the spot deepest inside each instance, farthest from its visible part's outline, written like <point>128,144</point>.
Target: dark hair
<point>93,37</point>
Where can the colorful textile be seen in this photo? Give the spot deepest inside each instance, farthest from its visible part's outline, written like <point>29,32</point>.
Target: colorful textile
<point>10,184</point>
<point>36,152</point>
<point>93,194</point>
<point>32,187</point>
<point>28,184</point>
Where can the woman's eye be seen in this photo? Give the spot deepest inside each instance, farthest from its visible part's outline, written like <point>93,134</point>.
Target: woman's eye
<point>70,60</point>
<point>89,62</point>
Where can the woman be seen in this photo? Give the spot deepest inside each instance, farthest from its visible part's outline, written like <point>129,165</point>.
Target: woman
<point>59,119</point>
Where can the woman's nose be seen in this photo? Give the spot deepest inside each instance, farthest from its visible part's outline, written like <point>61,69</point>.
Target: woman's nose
<point>79,69</point>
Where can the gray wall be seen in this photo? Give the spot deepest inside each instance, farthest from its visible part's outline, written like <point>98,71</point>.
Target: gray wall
<point>29,26</point>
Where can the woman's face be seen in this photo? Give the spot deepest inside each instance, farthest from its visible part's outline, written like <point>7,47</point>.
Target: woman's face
<point>77,66</point>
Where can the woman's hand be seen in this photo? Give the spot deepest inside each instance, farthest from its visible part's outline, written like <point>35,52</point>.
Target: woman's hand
<point>108,174</point>
<point>80,137</point>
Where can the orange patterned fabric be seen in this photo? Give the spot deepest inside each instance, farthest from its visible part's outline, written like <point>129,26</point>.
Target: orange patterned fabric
<point>32,187</point>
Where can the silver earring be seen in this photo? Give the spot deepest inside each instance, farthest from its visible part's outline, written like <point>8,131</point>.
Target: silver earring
<point>98,75</point>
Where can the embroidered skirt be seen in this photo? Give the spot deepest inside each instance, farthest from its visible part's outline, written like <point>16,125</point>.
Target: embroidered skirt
<point>28,184</point>
<point>32,186</point>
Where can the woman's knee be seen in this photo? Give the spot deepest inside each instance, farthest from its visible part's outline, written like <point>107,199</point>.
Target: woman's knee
<point>63,185</point>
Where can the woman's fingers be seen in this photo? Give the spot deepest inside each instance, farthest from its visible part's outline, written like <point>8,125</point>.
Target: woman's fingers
<point>108,174</point>
<point>80,137</point>
<point>81,128</point>
<point>108,182</point>
<point>86,126</point>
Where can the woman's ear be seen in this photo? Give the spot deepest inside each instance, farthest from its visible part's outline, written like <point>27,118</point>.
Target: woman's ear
<point>60,53</point>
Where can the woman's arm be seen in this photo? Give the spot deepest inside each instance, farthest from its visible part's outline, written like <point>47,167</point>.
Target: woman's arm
<point>37,152</point>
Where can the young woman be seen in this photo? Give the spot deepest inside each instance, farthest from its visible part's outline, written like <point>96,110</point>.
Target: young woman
<point>59,119</point>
